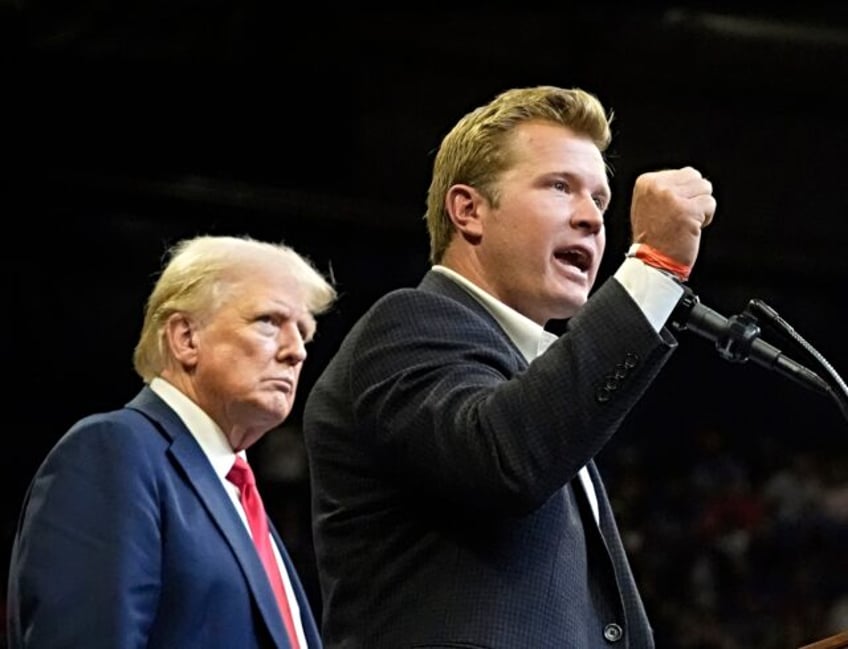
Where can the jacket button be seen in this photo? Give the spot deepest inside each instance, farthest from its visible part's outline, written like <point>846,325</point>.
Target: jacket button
<point>631,360</point>
<point>613,632</point>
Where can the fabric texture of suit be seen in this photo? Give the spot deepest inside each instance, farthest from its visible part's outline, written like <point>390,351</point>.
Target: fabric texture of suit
<point>176,569</point>
<point>447,508</point>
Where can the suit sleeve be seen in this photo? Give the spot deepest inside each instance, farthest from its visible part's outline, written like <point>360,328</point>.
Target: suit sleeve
<point>439,390</point>
<point>86,563</point>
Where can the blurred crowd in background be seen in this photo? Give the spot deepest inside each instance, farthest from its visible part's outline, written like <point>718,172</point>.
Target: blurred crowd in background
<point>732,549</point>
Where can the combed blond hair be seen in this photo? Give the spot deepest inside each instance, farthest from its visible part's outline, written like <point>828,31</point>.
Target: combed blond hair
<point>195,278</point>
<point>475,152</point>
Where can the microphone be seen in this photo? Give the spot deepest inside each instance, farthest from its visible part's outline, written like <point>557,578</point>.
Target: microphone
<point>738,338</point>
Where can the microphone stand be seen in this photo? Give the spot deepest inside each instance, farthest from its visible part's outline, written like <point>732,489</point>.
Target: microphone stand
<point>737,339</point>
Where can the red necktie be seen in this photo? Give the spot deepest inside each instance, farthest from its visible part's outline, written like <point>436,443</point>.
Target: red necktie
<point>242,476</point>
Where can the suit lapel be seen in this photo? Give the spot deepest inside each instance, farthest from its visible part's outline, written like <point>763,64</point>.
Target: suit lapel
<point>436,282</point>
<point>201,477</point>
<point>605,516</point>
<point>310,629</point>
<point>627,591</point>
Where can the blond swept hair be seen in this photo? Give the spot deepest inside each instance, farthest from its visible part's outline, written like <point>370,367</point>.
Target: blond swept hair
<point>475,152</point>
<point>196,277</point>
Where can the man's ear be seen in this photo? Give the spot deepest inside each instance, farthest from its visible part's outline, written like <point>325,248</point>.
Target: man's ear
<point>181,337</point>
<point>464,204</point>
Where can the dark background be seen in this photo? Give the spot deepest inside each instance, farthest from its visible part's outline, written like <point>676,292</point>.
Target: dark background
<point>131,125</point>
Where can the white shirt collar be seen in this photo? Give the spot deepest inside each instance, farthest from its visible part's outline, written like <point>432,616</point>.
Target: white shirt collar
<point>208,434</point>
<point>531,338</point>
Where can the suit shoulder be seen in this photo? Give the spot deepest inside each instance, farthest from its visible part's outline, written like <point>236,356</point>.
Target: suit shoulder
<point>424,306</point>
<point>126,421</point>
<point>122,432</point>
<point>414,321</point>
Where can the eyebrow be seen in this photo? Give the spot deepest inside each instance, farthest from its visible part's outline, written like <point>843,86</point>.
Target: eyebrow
<point>604,189</point>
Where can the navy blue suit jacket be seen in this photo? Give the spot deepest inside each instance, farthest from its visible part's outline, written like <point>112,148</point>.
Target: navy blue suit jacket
<point>447,510</point>
<point>129,539</point>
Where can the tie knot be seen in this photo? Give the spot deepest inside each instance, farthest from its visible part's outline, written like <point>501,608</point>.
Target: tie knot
<point>241,475</point>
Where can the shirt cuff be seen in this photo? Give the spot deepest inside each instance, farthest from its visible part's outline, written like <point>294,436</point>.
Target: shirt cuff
<point>654,291</point>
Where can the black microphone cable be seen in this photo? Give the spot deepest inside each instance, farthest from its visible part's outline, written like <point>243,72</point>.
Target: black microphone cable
<point>737,339</point>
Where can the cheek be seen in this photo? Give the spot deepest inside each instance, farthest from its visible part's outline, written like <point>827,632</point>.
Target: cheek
<point>241,362</point>
<point>601,245</point>
<point>259,350</point>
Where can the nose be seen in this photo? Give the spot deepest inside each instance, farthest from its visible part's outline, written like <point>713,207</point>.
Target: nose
<point>588,216</point>
<point>292,349</point>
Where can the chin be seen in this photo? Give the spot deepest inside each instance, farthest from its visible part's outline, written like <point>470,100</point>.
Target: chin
<point>571,301</point>
<point>281,415</point>
<point>275,414</point>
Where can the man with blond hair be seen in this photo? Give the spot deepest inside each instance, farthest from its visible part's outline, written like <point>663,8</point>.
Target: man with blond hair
<point>451,440</point>
<point>142,527</point>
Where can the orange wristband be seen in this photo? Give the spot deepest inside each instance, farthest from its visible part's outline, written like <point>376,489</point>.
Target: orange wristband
<point>654,258</point>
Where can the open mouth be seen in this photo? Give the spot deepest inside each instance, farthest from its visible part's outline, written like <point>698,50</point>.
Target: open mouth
<point>576,257</point>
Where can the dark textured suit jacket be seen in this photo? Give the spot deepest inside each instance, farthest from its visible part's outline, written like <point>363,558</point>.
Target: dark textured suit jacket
<point>447,508</point>
<point>176,570</point>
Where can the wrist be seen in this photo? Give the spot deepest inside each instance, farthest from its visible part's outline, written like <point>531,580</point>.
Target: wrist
<point>656,259</point>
